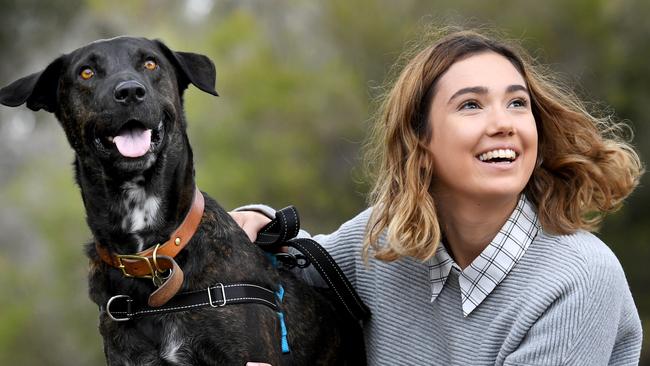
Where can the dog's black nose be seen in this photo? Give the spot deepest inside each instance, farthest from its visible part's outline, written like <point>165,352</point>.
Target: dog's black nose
<point>130,91</point>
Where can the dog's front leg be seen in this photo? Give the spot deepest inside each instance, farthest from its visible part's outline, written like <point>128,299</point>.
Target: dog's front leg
<point>116,359</point>
<point>124,347</point>
<point>119,357</point>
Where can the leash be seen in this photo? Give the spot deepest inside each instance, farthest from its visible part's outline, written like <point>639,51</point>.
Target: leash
<point>157,262</point>
<point>282,231</point>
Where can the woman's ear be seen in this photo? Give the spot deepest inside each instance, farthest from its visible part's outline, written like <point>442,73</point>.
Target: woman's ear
<point>38,90</point>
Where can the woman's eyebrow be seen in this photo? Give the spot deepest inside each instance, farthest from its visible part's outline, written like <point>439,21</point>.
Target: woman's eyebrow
<point>516,87</point>
<point>484,90</point>
<point>469,90</point>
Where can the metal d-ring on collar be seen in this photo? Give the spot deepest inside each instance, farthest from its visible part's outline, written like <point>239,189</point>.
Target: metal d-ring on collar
<point>158,278</point>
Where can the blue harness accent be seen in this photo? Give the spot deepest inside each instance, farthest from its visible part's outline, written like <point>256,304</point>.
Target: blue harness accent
<point>272,258</point>
<point>280,293</point>
<point>283,330</point>
<point>283,327</point>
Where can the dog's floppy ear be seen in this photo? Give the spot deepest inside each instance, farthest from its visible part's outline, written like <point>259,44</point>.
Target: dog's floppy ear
<point>38,90</point>
<point>192,68</point>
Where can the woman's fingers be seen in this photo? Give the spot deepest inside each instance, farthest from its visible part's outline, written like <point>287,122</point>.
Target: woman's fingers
<point>250,221</point>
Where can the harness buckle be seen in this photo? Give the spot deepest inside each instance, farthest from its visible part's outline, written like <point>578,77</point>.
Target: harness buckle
<point>128,308</point>
<point>223,295</point>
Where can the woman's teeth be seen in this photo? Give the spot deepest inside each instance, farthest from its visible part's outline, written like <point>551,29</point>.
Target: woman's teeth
<point>498,154</point>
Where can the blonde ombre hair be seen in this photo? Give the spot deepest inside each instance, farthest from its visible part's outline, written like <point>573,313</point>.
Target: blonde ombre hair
<point>585,167</point>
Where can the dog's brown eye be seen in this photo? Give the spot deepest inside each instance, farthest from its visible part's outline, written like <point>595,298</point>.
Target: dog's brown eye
<point>150,65</point>
<point>87,73</point>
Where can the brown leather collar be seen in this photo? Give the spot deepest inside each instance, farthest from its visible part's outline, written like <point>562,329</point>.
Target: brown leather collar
<point>155,261</point>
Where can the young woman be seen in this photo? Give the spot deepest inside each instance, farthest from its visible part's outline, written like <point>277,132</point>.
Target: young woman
<point>476,247</point>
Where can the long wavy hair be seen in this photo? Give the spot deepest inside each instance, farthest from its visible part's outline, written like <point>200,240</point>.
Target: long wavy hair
<point>585,166</point>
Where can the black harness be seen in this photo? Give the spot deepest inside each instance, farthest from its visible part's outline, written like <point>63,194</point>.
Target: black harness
<point>281,231</point>
<point>123,308</point>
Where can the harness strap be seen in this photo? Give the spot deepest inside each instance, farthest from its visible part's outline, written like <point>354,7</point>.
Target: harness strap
<point>285,226</point>
<point>123,308</point>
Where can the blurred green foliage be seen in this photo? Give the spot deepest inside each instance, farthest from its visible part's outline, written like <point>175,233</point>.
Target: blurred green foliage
<point>298,81</point>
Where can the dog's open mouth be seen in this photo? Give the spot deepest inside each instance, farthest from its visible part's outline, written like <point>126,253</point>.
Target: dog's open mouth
<point>133,140</point>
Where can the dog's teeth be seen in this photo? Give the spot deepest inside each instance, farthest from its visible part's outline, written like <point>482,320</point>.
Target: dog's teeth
<point>110,138</point>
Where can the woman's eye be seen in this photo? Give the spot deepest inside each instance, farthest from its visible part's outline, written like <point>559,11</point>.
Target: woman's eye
<point>519,103</point>
<point>470,104</point>
<point>150,65</point>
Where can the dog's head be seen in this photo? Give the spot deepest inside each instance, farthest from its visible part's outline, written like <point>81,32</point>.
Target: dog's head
<point>119,100</point>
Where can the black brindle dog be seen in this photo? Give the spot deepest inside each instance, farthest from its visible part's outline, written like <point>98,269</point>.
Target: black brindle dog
<point>120,104</point>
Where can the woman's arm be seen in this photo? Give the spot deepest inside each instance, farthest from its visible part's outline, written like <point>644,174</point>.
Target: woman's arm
<point>592,321</point>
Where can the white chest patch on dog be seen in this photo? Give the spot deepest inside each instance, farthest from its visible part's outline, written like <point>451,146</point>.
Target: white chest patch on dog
<point>171,347</point>
<point>140,209</point>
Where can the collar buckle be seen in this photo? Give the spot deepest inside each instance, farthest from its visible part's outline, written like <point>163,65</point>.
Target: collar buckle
<point>154,271</point>
<point>122,266</point>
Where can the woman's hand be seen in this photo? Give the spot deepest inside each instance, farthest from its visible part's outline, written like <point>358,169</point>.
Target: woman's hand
<point>250,221</point>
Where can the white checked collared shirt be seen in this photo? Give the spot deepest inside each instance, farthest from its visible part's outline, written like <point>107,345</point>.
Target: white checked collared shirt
<point>493,264</point>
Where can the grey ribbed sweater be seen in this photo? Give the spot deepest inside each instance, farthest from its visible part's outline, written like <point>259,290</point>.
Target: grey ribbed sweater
<point>566,302</point>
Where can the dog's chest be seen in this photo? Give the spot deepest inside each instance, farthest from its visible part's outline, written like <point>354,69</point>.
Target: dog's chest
<point>140,208</point>
<point>172,349</point>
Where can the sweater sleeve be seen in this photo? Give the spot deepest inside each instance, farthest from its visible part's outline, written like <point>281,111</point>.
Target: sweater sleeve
<point>610,330</point>
<point>592,321</point>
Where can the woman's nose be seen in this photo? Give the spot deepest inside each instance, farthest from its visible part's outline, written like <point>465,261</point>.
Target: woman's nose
<point>500,123</point>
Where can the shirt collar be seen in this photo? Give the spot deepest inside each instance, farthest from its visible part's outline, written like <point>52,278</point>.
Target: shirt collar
<point>493,264</point>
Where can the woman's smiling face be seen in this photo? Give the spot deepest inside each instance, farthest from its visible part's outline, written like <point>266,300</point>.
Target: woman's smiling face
<point>483,133</point>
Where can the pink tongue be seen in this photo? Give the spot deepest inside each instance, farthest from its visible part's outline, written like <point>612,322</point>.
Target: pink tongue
<point>133,143</point>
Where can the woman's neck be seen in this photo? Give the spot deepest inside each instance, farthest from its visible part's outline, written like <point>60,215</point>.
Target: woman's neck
<point>469,225</point>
